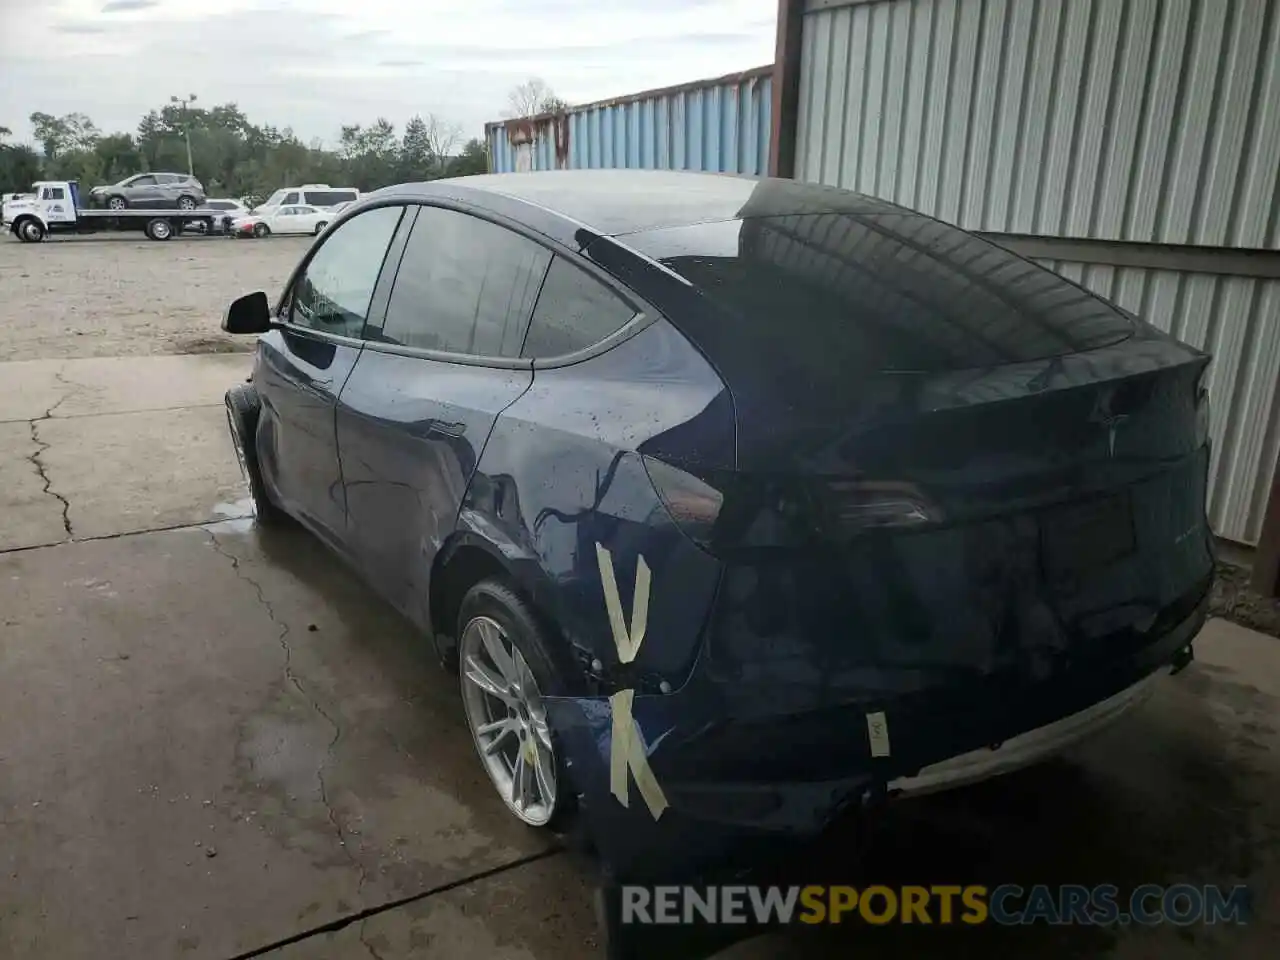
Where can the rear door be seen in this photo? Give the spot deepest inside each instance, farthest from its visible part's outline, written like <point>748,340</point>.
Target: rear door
<point>304,364</point>
<point>434,375</point>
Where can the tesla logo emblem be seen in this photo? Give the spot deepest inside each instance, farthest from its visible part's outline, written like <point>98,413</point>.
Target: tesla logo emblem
<point>628,756</point>
<point>1103,415</point>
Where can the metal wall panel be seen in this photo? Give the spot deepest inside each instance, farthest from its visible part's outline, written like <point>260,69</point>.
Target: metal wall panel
<point>1147,120</point>
<point>720,125</point>
<point>1237,319</point>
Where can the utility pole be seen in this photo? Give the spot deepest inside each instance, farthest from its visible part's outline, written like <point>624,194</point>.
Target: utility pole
<point>186,127</point>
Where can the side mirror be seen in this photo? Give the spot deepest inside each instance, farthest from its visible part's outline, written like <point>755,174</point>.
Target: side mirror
<point>248,314</point>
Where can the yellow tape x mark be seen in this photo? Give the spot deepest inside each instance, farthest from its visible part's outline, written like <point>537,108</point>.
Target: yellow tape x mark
<point>627,752</point>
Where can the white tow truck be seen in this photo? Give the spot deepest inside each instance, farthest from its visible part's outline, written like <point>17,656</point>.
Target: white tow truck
<point>54,206</point>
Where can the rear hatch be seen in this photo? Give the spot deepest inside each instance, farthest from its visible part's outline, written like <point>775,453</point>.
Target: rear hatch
<point>956,471</point>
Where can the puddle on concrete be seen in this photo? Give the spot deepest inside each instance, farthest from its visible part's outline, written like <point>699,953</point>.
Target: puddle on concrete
<point>239,517</point>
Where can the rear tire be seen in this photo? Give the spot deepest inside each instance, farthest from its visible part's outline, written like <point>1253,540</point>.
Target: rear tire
<point>261,231</point>
<point>320,228</point>
<point>491,603</point>
<point>159,228</point>
<point>243,409</point>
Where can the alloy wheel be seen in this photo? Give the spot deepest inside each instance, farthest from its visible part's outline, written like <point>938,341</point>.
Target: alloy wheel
<point>508,721</point>
<point>116,203</point>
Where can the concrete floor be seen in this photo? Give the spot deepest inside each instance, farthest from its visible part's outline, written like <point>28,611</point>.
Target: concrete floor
<point>213,740</point>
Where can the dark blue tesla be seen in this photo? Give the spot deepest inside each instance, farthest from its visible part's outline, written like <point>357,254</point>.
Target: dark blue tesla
<point>735,503</point>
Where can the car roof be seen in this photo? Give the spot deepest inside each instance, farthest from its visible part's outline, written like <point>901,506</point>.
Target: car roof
<point>618,202</point>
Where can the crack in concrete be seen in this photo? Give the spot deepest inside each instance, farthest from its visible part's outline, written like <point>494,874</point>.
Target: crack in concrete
<point>36,459</point>
<point>296,682</point>
<point>341,923</point>
<point>367,945</point>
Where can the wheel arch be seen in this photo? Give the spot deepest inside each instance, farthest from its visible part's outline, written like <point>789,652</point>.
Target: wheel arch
<point>469,556</point>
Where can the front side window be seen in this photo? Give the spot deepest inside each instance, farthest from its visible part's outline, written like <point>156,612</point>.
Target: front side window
<point>291,198</point>
<point>334,291</point>
<point>465,285</point>
<point>574,311</point>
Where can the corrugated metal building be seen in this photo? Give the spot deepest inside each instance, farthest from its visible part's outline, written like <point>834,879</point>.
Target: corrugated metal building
<point>1131,145</point>
<point>720,125</point>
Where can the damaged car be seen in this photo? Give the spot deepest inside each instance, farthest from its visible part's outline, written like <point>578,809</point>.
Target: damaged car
<point>734,503</point>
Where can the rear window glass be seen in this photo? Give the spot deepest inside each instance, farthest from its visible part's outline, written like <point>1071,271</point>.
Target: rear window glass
<point>874,293</point>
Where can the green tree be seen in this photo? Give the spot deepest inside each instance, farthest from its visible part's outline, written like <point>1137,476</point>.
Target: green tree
<point>233,156</point>
<point>473,159</point>
<point>19,167</point>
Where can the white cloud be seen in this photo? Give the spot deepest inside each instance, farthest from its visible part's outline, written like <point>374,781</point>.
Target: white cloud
<point>316,64</point>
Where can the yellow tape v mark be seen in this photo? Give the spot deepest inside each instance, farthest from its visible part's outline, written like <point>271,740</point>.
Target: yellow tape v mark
<point>627,753</point>
<point>626,640</point>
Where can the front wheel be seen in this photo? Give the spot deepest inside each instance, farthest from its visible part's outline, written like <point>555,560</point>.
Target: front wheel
<point>506,666</point>
<point>261,231</point>
<point>117,203</point>
<point>30,231</point>
<point>320,228</point>
<point>186,203</point>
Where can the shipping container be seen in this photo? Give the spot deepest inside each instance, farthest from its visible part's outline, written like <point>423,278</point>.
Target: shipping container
<point>719,125</point>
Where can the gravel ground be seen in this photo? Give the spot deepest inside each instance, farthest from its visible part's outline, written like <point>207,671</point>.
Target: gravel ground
<point>115,296</point>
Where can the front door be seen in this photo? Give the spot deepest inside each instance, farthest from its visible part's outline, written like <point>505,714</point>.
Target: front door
<point>434,375</point>
<point>304,364</point>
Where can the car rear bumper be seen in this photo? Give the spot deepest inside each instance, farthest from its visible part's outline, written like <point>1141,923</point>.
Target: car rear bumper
<point>1026,748</point>
<point>727,796</point>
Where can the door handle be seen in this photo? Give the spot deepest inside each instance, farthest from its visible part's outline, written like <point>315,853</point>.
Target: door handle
<point>447,429</point>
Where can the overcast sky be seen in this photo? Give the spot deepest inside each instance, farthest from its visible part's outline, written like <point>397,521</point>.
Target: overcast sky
<point>316,64</point>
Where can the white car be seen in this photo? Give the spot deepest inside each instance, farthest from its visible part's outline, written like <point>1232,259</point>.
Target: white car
<point>228,211</point>
<point>296,219</point>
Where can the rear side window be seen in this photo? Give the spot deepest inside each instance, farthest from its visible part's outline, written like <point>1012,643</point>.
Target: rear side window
<point>574,312</point>
<point>142,182</point>
<point>465,285</point>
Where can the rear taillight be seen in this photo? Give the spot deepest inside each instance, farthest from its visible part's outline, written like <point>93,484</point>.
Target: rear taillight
<point>732,512</point>
<point>1203,408</point>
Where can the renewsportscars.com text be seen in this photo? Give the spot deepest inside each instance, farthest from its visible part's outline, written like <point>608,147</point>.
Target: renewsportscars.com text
<point>1007,905</point>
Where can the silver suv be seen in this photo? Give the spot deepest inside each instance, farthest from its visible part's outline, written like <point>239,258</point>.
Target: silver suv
<point>146,190</point>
